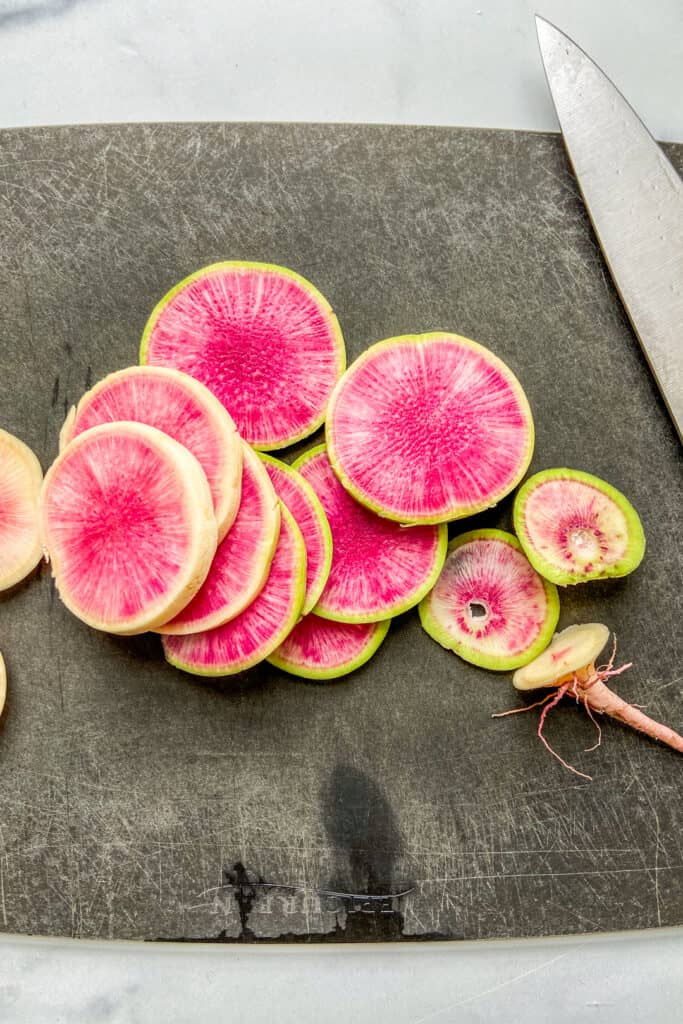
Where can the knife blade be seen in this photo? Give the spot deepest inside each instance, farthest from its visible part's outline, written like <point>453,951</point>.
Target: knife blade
<point>634,198</point>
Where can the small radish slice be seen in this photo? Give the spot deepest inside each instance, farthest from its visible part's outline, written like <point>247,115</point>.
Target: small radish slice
<point>302,502</point>
<point>255,633</point>
<point>575,527</point>
<point>321,649</point>
<point>20,481</point>
<point>570,651</point>
<point>489,605</point>
<point>185,410</point>
<point>379,568</point>
<point>242,562</point>
<point>430,427</point>
<point>3,683</point>
<point>261,337</point>
<point>128,525</point>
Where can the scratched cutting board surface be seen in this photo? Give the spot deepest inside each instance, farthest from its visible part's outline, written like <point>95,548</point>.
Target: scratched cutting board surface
<point>138,802</point>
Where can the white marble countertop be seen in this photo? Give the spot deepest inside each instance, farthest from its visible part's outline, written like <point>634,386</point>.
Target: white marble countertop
<point>455,62</point>
<point>466,62</point>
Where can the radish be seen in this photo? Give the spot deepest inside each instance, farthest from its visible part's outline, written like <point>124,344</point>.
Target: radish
<point>575,527</point>
<point>261,338</point>
<point>242,562</point>
<point>568,666</point>
<point>181,407</point>
<point>379,568</point>
<point>3,683</point>
<point>309,515</point>
<point>20,481</point>
<point>321,649</point>
<point>128,525</point>
<point>489,605</point>
<point>430,427</point>
<point>262,626</point>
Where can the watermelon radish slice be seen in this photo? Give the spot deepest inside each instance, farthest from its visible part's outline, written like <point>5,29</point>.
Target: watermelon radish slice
<point>430,427</point>
<point>321,649</point>
<point>20,481</point>
<point>3,683</point>
<point>255,633</point>
<point>301,500</point>
<point>185,410</point>
<point>489,605</point>
<point>379,568</point>
<point>128,525</point>
<point>261,337</point>
<point>242,562</point>
<point>575,527</point>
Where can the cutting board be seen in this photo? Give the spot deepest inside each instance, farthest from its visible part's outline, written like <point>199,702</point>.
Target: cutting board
<point>139,802</point>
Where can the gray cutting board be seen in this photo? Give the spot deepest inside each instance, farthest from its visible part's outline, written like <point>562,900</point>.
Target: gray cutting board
<point>137,802</point>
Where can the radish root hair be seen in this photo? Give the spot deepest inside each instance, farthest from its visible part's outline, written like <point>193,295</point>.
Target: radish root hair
<point>588,687</point>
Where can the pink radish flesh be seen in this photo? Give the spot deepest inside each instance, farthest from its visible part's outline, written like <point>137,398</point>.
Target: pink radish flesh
<point>428,428</point>
<point>242,562</point>
<point>185,410</point>
<point>261,627</point>
<point>379,568</point>
<point>301,500</point>
<point>263,339</point>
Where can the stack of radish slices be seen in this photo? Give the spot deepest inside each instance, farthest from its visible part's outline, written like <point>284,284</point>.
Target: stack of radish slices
<point>162,513</point>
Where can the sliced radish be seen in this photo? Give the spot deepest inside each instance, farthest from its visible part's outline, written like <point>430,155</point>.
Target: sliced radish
<point>379,568</point>
<point>20,481</point>
<point>128,524</point>
<point>427,428</point>
<point>185,410</point>
<point>255,633</point>
<point>575,527</point>
<point>489,605</point>
<point>321,649</point>
<point>261,337</point>
<point>3,683</point>
<point>242,562</point>
<point>302,502</point>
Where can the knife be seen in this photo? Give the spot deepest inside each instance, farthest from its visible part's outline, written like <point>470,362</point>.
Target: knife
<point>634,198</point>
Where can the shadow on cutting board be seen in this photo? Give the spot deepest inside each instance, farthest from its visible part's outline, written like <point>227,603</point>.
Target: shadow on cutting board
<point>363,830</point>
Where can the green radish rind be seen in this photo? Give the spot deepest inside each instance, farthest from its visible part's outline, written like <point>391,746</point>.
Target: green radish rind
<point>415,598</point>
<point>635,548</point>
<point>433,627</point>
<point>461,512</point>
<point>314,593</point>
<point>286,665</point>
<point>335,329</point>
<point>266,649</point>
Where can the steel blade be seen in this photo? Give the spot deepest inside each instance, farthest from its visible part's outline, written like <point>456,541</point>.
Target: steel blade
<point>635,201</point>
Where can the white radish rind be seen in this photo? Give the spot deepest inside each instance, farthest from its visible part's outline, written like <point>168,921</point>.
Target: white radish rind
<point>321,649</point>
<point>242,561</point>
<point>185,410</point>
<point>3,683</point>
<point>20,481</point>
<point>430,427</point>
<point>489,604</point>
<point>254,634</point>
<point>127,522</point>
<point>261,337</point>
<point>575,527</point>
<point>379,568</point>
<point>301,500</point>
